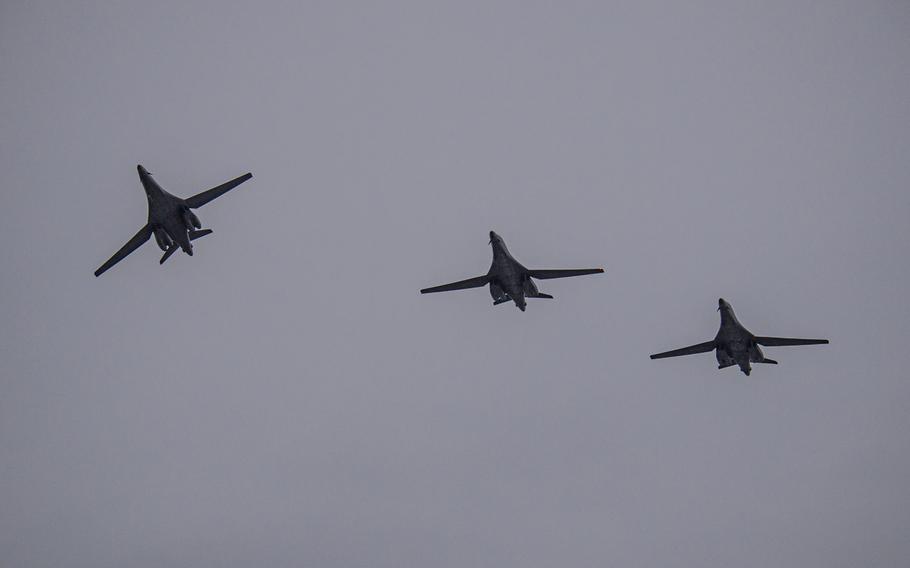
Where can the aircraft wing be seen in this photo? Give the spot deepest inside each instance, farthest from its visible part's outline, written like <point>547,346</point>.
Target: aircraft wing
<point>781,341</point>
<point>131,245</point>
<point>691,350</point>
<point>475,282</point>
<point>201,199</point>
<point>547,274</point>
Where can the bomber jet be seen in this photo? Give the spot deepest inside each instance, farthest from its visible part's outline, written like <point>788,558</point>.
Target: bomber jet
<point>508,279</point>
<point>170,219</point>
<point>735,344</point>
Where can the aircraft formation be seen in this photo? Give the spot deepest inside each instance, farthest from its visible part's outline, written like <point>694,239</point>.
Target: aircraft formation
<point>174,226</point>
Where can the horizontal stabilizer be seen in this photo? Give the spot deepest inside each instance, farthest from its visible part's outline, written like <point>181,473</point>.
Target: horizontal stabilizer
<point>201,199</point>
<point>541,295</point>
<point>782,341</point>
<point>767,361</point>
<point>691,350</point>
<point>167,254</point>
<point>502,301</point>
<point>547,274</point>
<point>475,282</point>
<point>197,234</point>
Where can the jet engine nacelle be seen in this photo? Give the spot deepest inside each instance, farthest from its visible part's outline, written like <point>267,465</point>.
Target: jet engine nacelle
<point>190,220</point>
<point>723,359</point>
<point>163,239</point>
<point>498,293</point>
<point>755,354</point>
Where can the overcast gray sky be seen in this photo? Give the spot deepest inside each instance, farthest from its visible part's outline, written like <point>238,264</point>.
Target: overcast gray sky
<point>287,398</point>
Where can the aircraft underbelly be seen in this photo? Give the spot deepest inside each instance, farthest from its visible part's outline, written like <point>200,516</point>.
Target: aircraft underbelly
<point>498,294</point>
<point>508,278</point>
<point>506,284</point>
<point>733,350</point>
<point>724,359</point>
<point>177,231</point>
<point>162,238</point>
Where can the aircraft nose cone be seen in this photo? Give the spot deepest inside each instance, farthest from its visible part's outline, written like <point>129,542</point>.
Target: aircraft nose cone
<point>141,170</point>
<point>721,303</point>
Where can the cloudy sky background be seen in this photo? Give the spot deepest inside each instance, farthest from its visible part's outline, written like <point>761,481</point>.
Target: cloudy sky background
<point>287,398</point>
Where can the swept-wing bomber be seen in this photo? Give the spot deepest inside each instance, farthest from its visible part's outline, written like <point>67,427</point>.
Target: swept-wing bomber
<point>170,219</point>
<point>508,279</point>
<point>735,345</point>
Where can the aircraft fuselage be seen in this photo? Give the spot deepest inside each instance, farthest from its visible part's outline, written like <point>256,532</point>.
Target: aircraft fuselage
<point>509,279</point>
<point>169,217</point>
<point>735,344</point>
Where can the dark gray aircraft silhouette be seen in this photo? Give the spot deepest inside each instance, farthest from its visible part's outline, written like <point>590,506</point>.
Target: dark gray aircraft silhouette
<point>508,279</point>
<point>170,219</point>
<point>735,344</point>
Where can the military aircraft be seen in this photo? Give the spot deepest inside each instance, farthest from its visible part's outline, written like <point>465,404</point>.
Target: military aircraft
<point>735,344</point>
<point>170,219</point>
<point>508,279</point>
